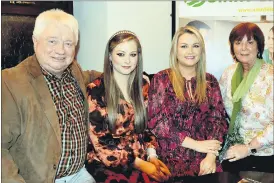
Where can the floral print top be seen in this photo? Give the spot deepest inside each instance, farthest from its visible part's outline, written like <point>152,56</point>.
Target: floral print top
<point>256,116</point>
<point>171,120</point>
<point>121,147</point>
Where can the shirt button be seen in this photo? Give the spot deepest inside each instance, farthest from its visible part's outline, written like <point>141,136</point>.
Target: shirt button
<point>54,166</point>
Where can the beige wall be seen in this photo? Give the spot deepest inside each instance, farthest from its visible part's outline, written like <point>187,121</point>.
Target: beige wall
<point>150,20</point>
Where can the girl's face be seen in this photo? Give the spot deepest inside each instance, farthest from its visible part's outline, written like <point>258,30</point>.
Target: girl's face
<point>124,57</point>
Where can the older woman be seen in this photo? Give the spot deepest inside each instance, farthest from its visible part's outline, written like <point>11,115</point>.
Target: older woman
<point>186,110</point>
<point>247,90</point>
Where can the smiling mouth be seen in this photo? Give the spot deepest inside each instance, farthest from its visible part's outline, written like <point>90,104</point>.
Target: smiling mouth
<point>59,59</point>
<point>190,57</point>
<point>126,67</point>
<point>244,54</point>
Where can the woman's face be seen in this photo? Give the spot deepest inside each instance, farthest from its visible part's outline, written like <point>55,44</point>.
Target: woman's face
<point>189,50</point>
<point>125,57</point>
<point>270,40</point>
<point>246,50</point>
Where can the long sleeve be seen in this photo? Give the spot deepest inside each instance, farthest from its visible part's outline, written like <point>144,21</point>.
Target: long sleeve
<point>266,137</point>
<point>172,120</point>
<point>256,116</point>
<point>217,115</point>
<point>158,112</point>
<point>225,88</point>
<point>110,158</point>
<point>90,75</point>
<point>10,132</point>
<point>119,148</point>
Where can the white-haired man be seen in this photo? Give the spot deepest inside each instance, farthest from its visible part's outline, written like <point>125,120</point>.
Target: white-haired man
<point>44,108</point>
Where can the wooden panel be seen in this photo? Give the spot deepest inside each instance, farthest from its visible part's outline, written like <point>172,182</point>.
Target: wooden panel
<point>33,8</point>
<point>16,39</point>
<point>17,23</point>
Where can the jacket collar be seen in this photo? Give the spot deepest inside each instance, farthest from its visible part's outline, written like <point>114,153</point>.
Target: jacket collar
<point>39,84</point>
<point>35,69</point>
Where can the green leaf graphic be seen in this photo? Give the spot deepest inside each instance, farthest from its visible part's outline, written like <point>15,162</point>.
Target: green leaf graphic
<point>195,3</point>
<point>192,2</point>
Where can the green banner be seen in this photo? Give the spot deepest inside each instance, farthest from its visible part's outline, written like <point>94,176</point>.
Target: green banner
<point>196,3</point>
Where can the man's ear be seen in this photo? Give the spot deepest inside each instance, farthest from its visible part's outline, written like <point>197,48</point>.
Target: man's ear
<point>35,42</point>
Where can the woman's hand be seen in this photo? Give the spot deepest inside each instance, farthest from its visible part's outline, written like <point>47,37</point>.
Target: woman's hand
<point>208,164</point>
<point>237,152</point>
<point>160,166</point>
<point>150,169</point>
<point>208,146</point>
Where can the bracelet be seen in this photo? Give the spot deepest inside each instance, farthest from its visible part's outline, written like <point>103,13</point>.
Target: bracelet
<point>251,151</point>
<point>152,155</point>
<point>151,152</point>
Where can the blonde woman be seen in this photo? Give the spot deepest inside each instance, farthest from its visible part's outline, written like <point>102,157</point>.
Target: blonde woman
<point>117,117</point>
<point>186,110</point>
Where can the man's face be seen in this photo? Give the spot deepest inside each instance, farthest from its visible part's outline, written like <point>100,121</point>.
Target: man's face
<point>55,48</point>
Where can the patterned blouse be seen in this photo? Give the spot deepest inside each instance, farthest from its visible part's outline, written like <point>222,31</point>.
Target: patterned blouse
<point>171,120</point>
<point>256,116</point>
<point>116,149</point>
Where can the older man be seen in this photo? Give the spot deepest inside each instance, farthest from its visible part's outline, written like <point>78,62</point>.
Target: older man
<point>44,108</point>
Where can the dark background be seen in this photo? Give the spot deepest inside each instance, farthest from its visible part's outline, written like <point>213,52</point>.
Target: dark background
<point>17,23</point>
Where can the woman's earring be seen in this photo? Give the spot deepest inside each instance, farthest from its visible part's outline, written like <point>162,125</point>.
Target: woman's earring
<point>110,60</point>
<point>258,54</point>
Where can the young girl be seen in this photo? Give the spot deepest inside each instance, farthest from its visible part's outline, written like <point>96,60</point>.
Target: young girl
<point>186,111</point>
<point>117,117</point>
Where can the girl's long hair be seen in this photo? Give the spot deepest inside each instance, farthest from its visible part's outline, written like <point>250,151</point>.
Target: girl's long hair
<point>113,93</point>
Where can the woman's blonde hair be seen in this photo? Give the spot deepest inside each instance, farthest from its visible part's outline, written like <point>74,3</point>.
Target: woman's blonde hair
<point>112,91</point>
<point>55,16</point>
<point>175,76</point>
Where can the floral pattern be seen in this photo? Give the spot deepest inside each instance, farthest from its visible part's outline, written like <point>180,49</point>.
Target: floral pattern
<point>171,120</point>
<point>256,116</point>
<point>111,152</point>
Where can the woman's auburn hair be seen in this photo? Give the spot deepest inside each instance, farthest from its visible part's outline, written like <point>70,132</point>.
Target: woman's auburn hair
<point>113,93</point>
<point>251,30</point>
<point>175,75</point>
